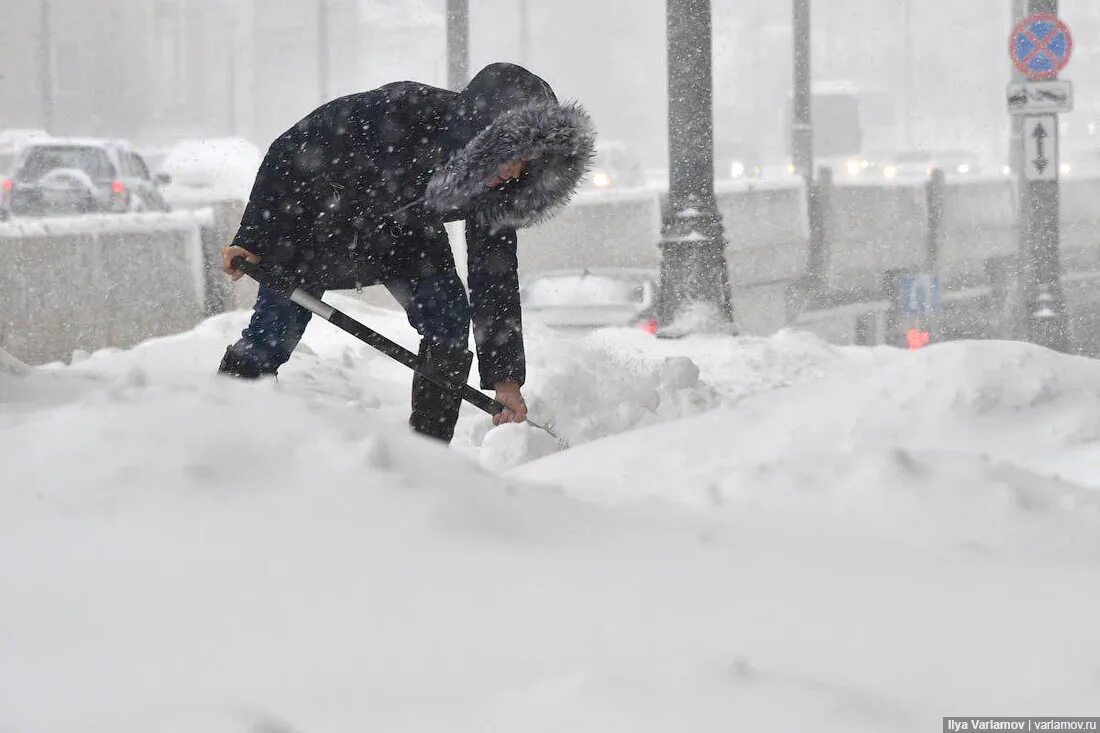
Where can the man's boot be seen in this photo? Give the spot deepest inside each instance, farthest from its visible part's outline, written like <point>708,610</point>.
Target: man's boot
<point>235,365</point>
<point>434,410</point>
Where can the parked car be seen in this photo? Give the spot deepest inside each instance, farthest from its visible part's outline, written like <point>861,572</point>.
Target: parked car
<point>197,173</point>
<point>12,142</point>
<point>593,298</point>
<point>60,176</point>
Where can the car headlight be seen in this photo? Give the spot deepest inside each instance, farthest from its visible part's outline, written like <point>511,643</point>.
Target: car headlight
<point>890,171</point>
<point>963,169</point>
<point>854,167</point>
<point>601,179</point>
<point>1065,169</point>
<point>737,169</point>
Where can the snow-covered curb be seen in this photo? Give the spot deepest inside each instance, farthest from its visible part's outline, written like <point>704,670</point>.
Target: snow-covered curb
<point>186,220</point>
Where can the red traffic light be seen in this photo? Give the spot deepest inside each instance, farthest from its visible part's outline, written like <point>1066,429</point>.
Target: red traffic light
<point>917,339</point>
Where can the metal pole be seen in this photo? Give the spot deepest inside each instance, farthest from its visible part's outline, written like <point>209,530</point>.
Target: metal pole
<point>802,146</point>
<point>937,185</point>
<point>910,68</point>
<point>234,31</point>
<point>45,67</point>
<point>1016,136</point>
<point>694,292</point>
<point>524,32</point>
<point>458,43</point>
<point>323,38</point>
<point>802,130</point>
<point>1045,315</point>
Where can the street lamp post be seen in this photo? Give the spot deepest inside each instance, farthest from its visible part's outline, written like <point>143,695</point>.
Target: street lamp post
<point>324,37</point>
<point>802,149</point>
<point>802,131</point>
<point>45,65</point>
<point>694,293</point>
<point>524,32</point>
<point>458,43</point>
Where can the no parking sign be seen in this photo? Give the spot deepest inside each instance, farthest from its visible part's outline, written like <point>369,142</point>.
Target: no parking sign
<point>1040,46</point>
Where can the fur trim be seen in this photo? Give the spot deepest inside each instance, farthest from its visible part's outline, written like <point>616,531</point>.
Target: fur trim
<point>557,140</point>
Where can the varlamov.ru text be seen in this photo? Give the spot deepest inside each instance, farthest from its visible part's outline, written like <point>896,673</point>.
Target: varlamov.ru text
<point>1023,725</point>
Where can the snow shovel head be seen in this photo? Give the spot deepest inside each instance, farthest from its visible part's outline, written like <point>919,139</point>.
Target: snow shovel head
<point>562,442</point>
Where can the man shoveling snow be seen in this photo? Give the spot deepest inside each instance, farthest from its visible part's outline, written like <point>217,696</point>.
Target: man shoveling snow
<point>357,194</point>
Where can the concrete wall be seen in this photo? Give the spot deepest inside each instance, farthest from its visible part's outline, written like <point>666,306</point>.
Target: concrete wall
<point>92,282</point>
<point>874,228</point>
<point>598,230</point>
<point>1080,223</point>
<point>766,227</point>
<point>979,223</point>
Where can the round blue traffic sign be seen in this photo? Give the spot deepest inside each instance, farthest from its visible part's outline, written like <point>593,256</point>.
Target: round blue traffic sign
<point>1040,46</point>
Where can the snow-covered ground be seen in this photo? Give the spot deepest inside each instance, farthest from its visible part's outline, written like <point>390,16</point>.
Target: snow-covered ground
<point>748,534</point>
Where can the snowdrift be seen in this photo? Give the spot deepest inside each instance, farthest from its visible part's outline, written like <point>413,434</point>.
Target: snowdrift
<point>778,535</point>
<point>966,436</point>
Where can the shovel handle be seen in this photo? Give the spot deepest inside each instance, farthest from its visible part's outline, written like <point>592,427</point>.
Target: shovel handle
<point>285,285</point>
<point>272,277</point>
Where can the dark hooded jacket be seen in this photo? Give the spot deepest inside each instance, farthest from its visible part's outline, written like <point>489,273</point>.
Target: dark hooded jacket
<point>357,192</point>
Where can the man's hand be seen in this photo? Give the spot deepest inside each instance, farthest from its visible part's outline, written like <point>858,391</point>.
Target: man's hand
<point>229,253</point>
<point>508,394</point>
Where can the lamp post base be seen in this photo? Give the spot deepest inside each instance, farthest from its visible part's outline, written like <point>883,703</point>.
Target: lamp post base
<point>695,290</point>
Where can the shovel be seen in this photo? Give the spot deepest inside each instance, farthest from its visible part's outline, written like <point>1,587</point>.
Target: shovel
<point>287,287</point>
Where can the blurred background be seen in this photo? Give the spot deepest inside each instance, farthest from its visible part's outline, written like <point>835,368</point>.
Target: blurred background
<point>140,107</point>
<point>929,73</point>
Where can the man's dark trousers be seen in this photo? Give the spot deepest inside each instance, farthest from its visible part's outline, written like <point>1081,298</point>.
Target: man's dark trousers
<point>437,308</point>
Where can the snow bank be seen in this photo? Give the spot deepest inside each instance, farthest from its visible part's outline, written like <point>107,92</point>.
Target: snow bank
<point>585,387</point>
<point>969,439</point>
<point>827,539</point>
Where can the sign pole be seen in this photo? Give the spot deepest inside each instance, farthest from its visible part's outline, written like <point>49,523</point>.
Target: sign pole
<point>1016,140</point>
<point>1040,48</point>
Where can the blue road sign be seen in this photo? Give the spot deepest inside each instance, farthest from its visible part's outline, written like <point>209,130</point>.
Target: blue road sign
<point>1040,46</point>
<point>919,295</point>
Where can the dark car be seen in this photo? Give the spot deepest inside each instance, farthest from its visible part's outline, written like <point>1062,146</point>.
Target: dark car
<point>65,176</point>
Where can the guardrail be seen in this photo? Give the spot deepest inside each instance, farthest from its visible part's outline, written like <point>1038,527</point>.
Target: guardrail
<point>962,229</point>
<point>90,282</point>
<point>107,280</point>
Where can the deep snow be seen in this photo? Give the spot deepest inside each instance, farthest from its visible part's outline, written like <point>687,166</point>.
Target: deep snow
<point>778,535</point>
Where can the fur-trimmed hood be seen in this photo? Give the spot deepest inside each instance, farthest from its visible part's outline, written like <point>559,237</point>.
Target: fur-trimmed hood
<point>507,113</point>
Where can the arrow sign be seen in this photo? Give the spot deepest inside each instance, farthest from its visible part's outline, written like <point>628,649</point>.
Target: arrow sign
<point>1040,134</point>
<point>1041,148</point>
